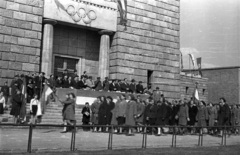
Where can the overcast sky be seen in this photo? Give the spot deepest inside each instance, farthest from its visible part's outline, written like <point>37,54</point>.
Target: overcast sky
<point>210,29</point>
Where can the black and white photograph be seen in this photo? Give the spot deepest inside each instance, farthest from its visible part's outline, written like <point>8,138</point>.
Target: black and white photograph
<point>114,77</point>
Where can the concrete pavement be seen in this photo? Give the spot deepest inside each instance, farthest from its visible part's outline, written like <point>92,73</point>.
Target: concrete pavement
<point>15,140</point>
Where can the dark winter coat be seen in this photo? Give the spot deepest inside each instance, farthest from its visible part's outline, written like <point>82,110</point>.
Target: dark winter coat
<point>202,116</point>
<point>183,115</point>
<point>223,115</point>
<point>86,118</point>
<point>131,111</point>
<point>162,112</point>
<point>192,115</point>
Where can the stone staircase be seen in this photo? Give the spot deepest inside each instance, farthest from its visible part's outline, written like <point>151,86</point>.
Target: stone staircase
<point>53,115</point>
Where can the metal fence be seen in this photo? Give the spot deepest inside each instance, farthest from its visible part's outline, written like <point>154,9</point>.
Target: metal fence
<point>110,138</point>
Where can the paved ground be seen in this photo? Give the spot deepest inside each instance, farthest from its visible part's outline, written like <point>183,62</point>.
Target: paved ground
<point>15,140</point>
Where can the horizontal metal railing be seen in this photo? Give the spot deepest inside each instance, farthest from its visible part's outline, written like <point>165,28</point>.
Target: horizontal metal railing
<point>144,139</point>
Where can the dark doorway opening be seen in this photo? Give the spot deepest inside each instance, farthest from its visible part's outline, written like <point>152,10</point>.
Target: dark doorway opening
<point>150,76</point>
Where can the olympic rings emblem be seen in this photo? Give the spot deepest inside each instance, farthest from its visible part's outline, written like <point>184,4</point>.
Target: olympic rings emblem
<point>81,14</point>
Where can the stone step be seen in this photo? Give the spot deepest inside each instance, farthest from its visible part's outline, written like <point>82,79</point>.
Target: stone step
<point>58,117</point>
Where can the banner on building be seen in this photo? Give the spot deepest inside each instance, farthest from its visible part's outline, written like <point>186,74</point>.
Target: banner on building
<point>192,59</point>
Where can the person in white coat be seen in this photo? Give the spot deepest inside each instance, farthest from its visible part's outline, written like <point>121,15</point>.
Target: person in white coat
<point>35,109</point>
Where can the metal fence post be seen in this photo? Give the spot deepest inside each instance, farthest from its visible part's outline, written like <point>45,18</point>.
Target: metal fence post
<point>109,139</point>
<point>173,134</point>
<point>29,150</point>
<point>202,137</point>
<point>199,137</point>
<point>225,136</point>
<point>175,140</point>
<point>222,136</point>
<point>73,139</point>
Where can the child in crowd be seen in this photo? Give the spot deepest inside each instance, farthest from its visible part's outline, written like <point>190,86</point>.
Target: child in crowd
<point>86,116</point>
<point>34,107</point>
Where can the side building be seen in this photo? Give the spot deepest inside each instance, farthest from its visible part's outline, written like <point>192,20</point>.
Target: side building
<point>223,82</point>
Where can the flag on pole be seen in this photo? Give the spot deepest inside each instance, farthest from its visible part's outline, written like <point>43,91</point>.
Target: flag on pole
<point>24,100</point>
<point>181,59</point>
<point>44,97</point>
<point>193,60</point>
<point>199,63</point>
<point>195,94</point>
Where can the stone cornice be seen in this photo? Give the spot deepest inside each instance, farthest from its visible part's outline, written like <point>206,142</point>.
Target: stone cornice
<point>97,4</point>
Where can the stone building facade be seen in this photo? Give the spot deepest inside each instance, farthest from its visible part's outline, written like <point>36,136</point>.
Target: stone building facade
<point>53,35</point>
<point>20,37</point>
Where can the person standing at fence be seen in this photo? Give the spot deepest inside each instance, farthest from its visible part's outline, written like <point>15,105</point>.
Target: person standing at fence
<point>121,112</point>
<point>223,114</point>
<point>16,106</point>
<point>102,113</point>
<point>131,111</point>
<point>202,116</point>
<point>212,117</point>
<point>192,115</point>
<point>114,113</point>
<point>162,111</point>
<point>152,115</point>
<point>69,110</point>
<point>110,107</point>
<point>34,104</point>
<point>234,118</point>
<point>86,116</point>
<point>95,108</point>
<point>183,116</point>
<point>140,113</point>
<point>2,103</point>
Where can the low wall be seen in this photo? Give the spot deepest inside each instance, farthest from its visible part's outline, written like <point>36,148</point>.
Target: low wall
<point>89,96</point>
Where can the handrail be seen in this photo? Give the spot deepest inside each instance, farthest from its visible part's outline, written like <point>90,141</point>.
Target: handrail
<point>111,127</point>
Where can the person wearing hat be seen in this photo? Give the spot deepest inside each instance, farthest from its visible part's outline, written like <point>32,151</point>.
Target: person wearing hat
<point>223,114</point>
<point>74,74</point>
<point>112,86</point>
<point>106,84</point>
<point>124,86</point>
<point>132,87</point>
<point>65,73</point>
<point>139,88</point>
<point>98,84</point>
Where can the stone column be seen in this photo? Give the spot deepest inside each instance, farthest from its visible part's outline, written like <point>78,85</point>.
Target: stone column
<point>47,48</point>
<point>103,70</point>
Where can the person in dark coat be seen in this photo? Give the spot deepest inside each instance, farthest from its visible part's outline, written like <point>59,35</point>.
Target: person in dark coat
<point>192,115</point>
<point>223,114</point>
<point>162,111</point>
<point>102,113</point>
<point>110,107</point>
<point>70,82</point>
<point>59,82</point>
<point>112,86</point>
<point>30,90</point>
<point>124,86</point>
<point>106,84</point>
<point>5,90</point>
<point>81,83</point>
<point>132,87</point>
<point>131,113</point>
<point>152,114</point>
<point>16,106</point>
<point>65,83</point>
<point>75,83</point>
<point>68,110</point>
<point>98,85</point>
<point>86,116</point>
<point>118,85</point>
<point>148,103</point>
<point>51,82</point>
<point>139,88</point>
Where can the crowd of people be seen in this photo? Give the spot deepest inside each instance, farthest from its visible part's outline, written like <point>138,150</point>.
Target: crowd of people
<point>137,114</point>
<point>130,109</point>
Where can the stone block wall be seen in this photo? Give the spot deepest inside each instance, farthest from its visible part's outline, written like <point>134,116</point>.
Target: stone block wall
<point>20,37</point>
<point>78,43</point>
<point>188,85</point>
<point>223,82</point>
<point>149,42</point>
